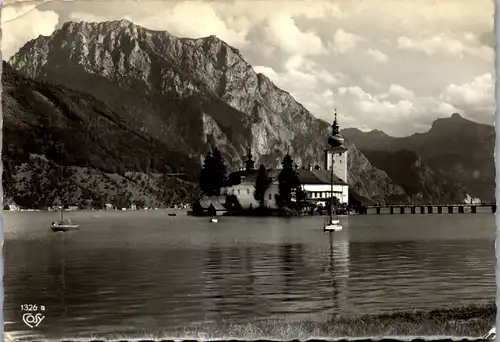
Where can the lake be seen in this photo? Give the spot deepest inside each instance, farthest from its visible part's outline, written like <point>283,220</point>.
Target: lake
<point>129,272</point>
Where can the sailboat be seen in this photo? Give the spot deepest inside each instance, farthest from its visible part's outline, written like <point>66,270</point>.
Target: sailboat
<point>62,225</point>
<point>333,223</point>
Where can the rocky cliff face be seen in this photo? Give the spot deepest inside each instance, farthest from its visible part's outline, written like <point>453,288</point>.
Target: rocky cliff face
<point>188,94</point>
<point>458,154</point>
<point>422,183</point>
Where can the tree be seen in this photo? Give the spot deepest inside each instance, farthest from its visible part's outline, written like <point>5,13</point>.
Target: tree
<point>301,198</point>
<point>219,171</point>
<point>262,183</point>
<point>288,182</point>
<point>213,173</point>
<point>333,203</point>
<point>68,187</point>
<point>206,174</point>
<point>250,164</point>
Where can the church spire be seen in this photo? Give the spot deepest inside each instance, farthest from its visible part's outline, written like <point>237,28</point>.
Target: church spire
<point>249,164</point>
<point>335,140</point>
<point>335,125</point>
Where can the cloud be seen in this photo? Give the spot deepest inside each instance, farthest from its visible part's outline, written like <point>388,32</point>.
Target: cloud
<point>414,17</point>
<point>394,65</point>
<point>468,45</point>
<point>397,91</point>
<point>178,19</point>
<point>387,110</point>
<point>300,77</point>
<point>309,83</point>
<point>371,83</point>
<point>283,32</point>
<point>378,55</point>
<point>87,17</point>
<point>258,11</point>
<point>344,42</point>
<point>475,99</point>
<point>30,23</point>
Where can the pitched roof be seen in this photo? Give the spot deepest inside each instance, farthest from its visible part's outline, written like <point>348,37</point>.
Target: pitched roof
<point>318,177</point>
<point>217,202</point>
<point>305,176</point>
<point>250,176</point>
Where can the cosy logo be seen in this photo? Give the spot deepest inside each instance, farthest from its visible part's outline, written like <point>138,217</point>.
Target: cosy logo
<point>31,320</point>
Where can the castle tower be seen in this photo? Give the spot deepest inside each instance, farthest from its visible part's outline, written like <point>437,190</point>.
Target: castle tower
<point>336,153</point>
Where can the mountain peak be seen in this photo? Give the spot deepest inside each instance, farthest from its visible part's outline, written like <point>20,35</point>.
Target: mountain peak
<point>105,26</point>
<point>378,132</point>
<point>112,23</point>
<point>454,119</point>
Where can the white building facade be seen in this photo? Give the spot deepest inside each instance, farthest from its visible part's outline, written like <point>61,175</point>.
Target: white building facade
<point>316,183</point>
<point>244,192</point>
<point>322,192</point>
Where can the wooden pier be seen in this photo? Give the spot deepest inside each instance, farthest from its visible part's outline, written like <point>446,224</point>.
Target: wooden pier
<point>462,208</point>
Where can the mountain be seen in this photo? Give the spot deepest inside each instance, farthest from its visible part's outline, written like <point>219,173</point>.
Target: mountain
<point>97,148</point>
<point>185,95</point>
<point>418,179</point>
<point>459,152</point>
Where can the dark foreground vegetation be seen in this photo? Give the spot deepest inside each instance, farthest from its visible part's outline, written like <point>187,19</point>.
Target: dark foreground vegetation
<point>471,320</point>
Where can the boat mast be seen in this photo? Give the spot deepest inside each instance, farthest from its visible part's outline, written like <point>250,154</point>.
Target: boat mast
<point>60,187</point>
<point>334,131</point>
<point>331,193</point>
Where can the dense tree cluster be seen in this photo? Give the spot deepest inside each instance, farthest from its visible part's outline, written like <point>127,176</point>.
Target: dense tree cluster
<point>291,194</point>
<point>213,173</point>
<point>262,183</point>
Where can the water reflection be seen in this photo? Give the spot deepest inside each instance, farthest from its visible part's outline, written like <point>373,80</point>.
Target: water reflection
<point>415,273</point>
<point>238,270</point>
<point>273,280</point>
<point>339,271</point>
<point>61,255</point>
<point>291,266</point>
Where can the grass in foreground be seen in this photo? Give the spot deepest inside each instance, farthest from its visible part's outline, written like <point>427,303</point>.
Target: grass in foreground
<point>468,320</point>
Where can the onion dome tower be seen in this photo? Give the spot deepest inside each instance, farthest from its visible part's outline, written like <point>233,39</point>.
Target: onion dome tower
<point>336,152</point>
<point>335,140</point>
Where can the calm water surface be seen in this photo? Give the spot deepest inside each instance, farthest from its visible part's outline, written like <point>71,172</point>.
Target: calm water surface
<point>130,272</point>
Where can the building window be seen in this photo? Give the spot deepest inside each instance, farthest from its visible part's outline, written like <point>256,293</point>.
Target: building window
<point>340,161</point>
<point>238,191</point>
<point>248,191</point>
<point>340,154</point>
<point>270,196</point>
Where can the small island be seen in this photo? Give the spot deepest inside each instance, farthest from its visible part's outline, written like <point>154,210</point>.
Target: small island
<point>288,191</point>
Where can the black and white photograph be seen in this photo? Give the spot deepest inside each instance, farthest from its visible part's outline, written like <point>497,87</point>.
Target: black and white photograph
<point>248,169</point>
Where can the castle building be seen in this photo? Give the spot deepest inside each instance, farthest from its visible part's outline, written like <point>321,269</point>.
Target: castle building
<point>317,183</point>
<point>335,171</point>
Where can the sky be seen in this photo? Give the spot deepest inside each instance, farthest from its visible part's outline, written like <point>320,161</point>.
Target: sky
<point>391,65</point>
